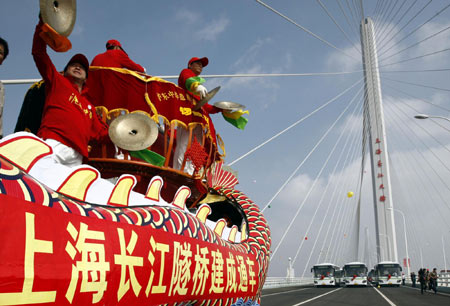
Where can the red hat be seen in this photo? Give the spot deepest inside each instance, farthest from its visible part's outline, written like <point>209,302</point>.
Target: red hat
<point>203,60</point>
<point>112,43</point>
<point>81,59</point>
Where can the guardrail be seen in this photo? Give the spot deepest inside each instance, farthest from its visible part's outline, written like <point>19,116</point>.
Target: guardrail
<point>278,282</point>
<point>444,279</point>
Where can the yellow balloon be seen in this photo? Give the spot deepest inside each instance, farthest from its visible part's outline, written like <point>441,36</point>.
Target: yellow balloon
<point>350,194</point>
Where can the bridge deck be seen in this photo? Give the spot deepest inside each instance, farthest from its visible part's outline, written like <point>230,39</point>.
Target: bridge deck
<point>367,296</point>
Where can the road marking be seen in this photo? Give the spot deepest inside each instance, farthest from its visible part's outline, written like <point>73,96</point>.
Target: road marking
<point>314,298</point>
<point>269,294</point>
<point>384,297</point>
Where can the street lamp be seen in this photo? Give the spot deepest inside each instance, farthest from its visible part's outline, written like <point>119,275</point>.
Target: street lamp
<point>424,116</point>
<point>443,251</point>
<point>406,239</point>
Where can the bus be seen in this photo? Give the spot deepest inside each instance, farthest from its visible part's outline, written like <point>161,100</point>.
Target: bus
<point>388,273</point>
<point>324,274</point>
<point>355,274</point>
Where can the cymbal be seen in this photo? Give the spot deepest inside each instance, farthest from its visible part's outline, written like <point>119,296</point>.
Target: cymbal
<point>229,106</point>
<point>206,99</point>
<point>133,132</point>
<point>59,14</point>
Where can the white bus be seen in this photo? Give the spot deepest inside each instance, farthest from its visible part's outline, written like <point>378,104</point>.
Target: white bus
<point>388,273</point>
<point>355,274</point>
<point>324,274</point>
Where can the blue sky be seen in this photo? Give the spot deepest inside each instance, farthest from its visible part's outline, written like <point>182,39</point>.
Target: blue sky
<point>242,37</point>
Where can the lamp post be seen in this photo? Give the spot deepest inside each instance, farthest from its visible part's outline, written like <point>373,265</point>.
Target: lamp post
<point>443,251</point>
<point>424,116</point>
<point>406,239</point>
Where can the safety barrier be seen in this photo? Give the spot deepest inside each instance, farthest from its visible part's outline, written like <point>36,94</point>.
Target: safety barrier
<point>278,282</point>
<point>444,279</point>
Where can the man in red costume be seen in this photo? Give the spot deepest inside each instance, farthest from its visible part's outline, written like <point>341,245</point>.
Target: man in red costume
<point>116,57</point>
<point>191,81</point>
<point>69,120</point>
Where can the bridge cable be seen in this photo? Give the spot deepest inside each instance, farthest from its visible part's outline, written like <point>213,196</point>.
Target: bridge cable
<point>379,16</point>
<point>391,25</point>
<point>423,70</point>
<point>305,29</point>
<point>412,33</point>
<point>387,20</point>
<point>338,26</point>
<point>361,9</point>
<point>353,13</point>
<point>429,149</point>
<point>206,76</point>
<point>294,124</point>
<point>416,44</point>
<point>326,188</point>
<point>428,133</point>
<point>346,225</point>
<point>339,204</point>
<point>414,58</point>
<point>347,19</point>
<point>415,84</point>
<point>419,99</point>
<point>407,197</point>
<point>298,168</point>
<point>328,184</point>
<point>314,183</point>
<point>419,176</point>
<point>382,20</point>
<point>380,43</point>
<point>375,10</point>
<point>404,26</point>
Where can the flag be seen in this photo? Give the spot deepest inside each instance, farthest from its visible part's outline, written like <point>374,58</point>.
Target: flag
<point>149,156</point>
<point>236,118</point>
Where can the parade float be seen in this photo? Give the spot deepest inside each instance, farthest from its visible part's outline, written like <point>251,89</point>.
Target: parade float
<point>126,228</point>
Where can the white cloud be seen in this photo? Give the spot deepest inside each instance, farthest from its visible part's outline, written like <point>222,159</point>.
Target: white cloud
<point>187,16</point>
<point>436,43</point>
<point>211,31</point>
<point>338,61</point>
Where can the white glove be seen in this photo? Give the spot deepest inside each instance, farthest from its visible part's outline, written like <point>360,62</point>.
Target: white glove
<point>201,91</point>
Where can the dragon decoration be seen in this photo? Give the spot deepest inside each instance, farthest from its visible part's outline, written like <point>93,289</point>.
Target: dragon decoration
<point>59,248</point>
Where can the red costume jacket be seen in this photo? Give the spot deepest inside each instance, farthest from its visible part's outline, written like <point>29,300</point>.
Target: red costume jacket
<point>68,116</point>
<point>117,59</point>
<point>186,74</point>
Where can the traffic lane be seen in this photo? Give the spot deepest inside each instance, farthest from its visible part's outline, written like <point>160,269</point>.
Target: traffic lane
<point>405,296</point>
<point>351,296</point>
<point>291,296</point>
<point>345,296</point>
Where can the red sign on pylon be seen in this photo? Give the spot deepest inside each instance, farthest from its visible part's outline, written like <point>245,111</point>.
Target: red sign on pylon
<point>404,262</point>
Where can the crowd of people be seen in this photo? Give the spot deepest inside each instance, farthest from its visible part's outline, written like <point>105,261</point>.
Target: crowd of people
<point>427,279</point>
<point>69,121</point>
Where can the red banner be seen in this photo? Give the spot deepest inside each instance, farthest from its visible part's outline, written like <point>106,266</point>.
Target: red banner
<point>116,88</point>
<point>49,256</point>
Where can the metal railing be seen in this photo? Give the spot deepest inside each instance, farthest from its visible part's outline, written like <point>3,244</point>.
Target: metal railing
<point>444,279</point>
<point>278,282</point>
